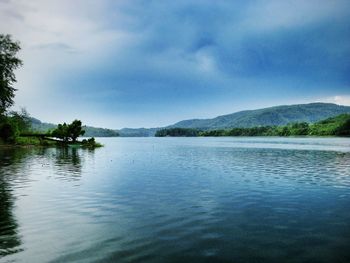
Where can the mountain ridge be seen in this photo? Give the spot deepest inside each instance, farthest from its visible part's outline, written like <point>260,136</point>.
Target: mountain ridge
<point>271,116</point>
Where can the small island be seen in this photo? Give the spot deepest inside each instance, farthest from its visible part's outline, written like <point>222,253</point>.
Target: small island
<point>63,135</point>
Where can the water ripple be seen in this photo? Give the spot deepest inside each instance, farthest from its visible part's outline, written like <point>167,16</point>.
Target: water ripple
<point>176,200</point>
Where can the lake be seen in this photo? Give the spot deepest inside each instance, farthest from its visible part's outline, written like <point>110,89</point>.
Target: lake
<point>178,200</point>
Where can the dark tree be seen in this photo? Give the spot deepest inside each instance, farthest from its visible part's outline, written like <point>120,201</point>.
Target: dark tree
<point>8,64</point>
<point>68,132</point>
<point>21,120</point>
<point>75,130</point>
<point>177,132</point>
<point>61,132</point>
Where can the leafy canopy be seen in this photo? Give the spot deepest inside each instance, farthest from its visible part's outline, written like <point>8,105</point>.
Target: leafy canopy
<point>8,64</point>
<point>68,132</point>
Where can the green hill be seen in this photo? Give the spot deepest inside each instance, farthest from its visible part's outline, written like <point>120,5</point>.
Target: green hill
<point>273,116</point>
<point>137,132</point>
<point>334,126</point>
<point>339,125</point>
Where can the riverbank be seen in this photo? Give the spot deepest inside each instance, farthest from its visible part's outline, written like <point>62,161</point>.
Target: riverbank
<point>35,141</point>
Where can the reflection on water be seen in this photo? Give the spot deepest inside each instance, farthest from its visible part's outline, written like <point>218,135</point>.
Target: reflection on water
<point>9,239</point>
<point>68,163</point>
<point>15,164</point>
<point>178,200</point>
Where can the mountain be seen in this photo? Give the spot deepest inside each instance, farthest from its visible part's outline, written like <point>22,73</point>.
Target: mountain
<point>138,132</point>
<point>39,126</point>
<point>273,116</point>
<point>90,131</point>
<point>99,132</point>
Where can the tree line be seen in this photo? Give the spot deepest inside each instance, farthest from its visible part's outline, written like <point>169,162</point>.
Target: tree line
<point>334,126</point>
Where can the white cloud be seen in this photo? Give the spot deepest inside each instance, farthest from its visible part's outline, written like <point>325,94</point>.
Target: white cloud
<point>338,99</point>
<point>56,37</point>
<point>53,30</point>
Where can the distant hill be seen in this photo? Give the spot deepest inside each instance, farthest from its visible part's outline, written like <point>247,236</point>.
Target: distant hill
<point>99,132</point>
<point>137,132</point>
<point>273,116</point>
<point>39,126</point>
<point>333,126</point>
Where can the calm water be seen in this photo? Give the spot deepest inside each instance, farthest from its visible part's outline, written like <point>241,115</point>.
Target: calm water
<point>178,200</point>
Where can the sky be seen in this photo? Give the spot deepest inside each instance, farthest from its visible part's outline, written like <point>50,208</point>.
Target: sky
<point>151,63</point>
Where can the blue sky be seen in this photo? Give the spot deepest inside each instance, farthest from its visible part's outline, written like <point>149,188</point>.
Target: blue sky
<point>152,63</point>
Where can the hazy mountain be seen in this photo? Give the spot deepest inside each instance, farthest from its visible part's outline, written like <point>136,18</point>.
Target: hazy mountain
<point>99,132</point>
<point>273,116</point>
<point>39,126</point>
<point>138,132</point>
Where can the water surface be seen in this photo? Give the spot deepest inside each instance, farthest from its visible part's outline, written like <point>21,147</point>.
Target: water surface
<point>178,200</point>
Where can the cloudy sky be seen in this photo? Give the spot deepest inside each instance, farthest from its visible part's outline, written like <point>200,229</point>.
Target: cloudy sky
<point>151,63</point>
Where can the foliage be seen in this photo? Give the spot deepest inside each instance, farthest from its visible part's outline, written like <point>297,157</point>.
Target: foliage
<point>68,132</point>
<point>75,130</point>
<point>22,120</point>
<point>99,132</point>
<point>36,141</point>
<point>301,128</point>
<point>61,132</point>
<point>8,64</point>
<point>7,132</point>
<point>339,125</point>
<point>90,143</point>
<point>13,124</point>
<point>177,132</point>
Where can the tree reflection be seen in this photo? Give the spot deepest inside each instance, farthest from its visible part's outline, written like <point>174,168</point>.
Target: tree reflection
<point>10,162</point>
<point>68,163</point>
<point>64,163</point>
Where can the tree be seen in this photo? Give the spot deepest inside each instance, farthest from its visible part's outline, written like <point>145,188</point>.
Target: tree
<point>75,130</point>
<point>61,132</point>
<point>21,120</point>
<point>13,124</point>
<point>344,129</point>
<point>8,64</point>
<point>68,132</point>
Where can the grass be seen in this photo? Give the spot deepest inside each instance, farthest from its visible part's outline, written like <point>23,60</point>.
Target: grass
<point>33,141</point>
<point>37,141</point>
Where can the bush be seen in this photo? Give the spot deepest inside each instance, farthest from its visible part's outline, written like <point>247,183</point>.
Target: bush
<point>90,143</point>
<point>12,124</point>
<point>8,132</point>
